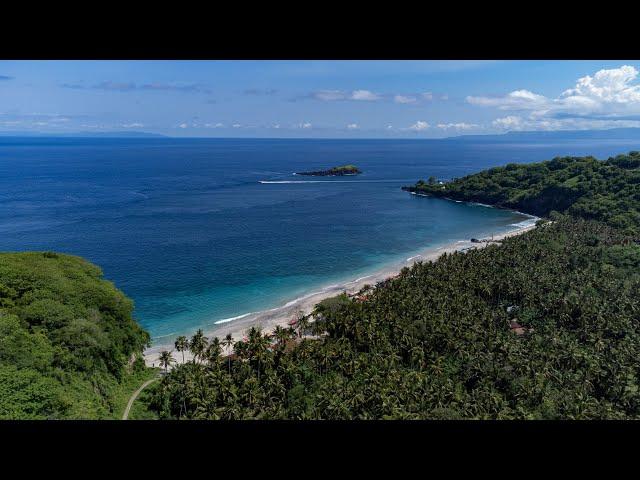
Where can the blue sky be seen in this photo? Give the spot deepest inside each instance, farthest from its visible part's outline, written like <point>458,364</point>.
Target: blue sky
<point>317,99</point>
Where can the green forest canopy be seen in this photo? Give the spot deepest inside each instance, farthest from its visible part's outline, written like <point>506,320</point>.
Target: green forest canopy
<point>583,187</point>
<point>543,326</point>
<point>67,338</point>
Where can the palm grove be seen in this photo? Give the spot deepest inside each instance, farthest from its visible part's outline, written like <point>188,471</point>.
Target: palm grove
<point>544,325</point>
<point>439,341</point>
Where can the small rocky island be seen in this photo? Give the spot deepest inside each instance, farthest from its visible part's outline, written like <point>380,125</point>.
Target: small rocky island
<point>334,172</point>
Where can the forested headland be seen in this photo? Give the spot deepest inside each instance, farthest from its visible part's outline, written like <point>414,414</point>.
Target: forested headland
<point>543,326</point>
<point>69,347</point>
<point>607,191</point>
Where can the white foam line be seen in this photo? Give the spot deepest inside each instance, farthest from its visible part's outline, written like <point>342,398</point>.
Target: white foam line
<point>167,335</point>
<point>231,319</point>
<point>357,280</point>
<point>411,258</point>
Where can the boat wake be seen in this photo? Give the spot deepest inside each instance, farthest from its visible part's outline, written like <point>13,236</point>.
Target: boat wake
<point>329,181</point>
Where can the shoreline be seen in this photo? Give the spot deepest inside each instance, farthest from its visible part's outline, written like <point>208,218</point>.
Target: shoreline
<point>269,319</point>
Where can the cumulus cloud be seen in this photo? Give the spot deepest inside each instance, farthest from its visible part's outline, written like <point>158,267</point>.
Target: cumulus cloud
<point>516,100</point>
<point>214,125</point>
<point>404,99</point>
<point>29,120</point>
<point>335,95</point>
<point>612,85</point>
<point>329,95</point>
<point>305,125</point>
<point>364,95</point>
<point>457,126</point>
<point>510,122</point>
<point>352,126</point>
<point>609,97</point>
<point>183,125</point>
<point>518,123</point>
<point>133,125</point>
<point>367,95</point>
<point>419,126</point>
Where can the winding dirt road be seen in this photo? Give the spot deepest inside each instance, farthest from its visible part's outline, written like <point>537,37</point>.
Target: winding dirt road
<point>125,415</point>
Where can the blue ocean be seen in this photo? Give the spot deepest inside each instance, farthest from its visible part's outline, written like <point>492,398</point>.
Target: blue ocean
<point>198,231</point>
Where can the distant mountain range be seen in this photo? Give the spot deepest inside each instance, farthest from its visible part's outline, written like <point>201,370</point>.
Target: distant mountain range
<point>126,134</point>
<point>610,134</point>
<point>555,135</point>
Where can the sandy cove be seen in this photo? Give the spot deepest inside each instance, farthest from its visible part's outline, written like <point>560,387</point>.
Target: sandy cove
<point>268,319</point>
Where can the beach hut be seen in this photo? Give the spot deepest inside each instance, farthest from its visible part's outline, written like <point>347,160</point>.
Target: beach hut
<point>517,328</point>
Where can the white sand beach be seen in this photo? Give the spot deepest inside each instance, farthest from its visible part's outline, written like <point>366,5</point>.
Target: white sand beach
<point>267,320</point>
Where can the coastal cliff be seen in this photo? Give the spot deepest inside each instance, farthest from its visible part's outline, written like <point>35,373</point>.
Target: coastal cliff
<point>608,191</point>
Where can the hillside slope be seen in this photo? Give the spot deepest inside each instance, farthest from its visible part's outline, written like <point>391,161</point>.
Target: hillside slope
<point>607,191</point>
<point>67,338</point>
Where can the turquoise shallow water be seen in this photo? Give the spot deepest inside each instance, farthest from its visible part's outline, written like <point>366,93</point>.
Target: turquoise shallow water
<point>186,228</point>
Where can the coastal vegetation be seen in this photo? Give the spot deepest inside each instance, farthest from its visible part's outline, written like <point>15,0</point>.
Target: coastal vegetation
<point>69,347</point>
<point>335,171</point>
<point>542,326</point>
<point>583,187</point>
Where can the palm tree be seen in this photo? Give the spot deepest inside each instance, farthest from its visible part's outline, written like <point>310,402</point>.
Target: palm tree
<point>198,345</point>
<point>165,359</point>
<point>302,323</point>
<point>181,345</point>
<point>281,335</point>
<point>213,351</point>
<point>228,342</point>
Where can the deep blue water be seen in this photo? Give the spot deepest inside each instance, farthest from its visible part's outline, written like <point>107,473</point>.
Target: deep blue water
<point>185,228</point>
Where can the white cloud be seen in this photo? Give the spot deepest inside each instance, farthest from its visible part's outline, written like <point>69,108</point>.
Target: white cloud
<point>353,126</point>
<point>427,96</point>
<point>518,123</point>
<point>516,100</point>
<point>183,125</point>
<point>612,85</point>
<point>364,95</point>
<point>510,122</point>
<point>457,126</point>
<point>329,95</point>
<point>214,125</point>
<point>419,126</point>
<point>133,125</point>
<point>335,95</point>
<point>236,125</point>
<point>404,99</point>
<point>389,127</point>
<point>601,100</point>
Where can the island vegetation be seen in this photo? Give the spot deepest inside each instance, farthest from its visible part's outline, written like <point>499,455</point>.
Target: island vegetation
<point>542,326</point>
<point>334,172</point>
<point>69,347</point>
